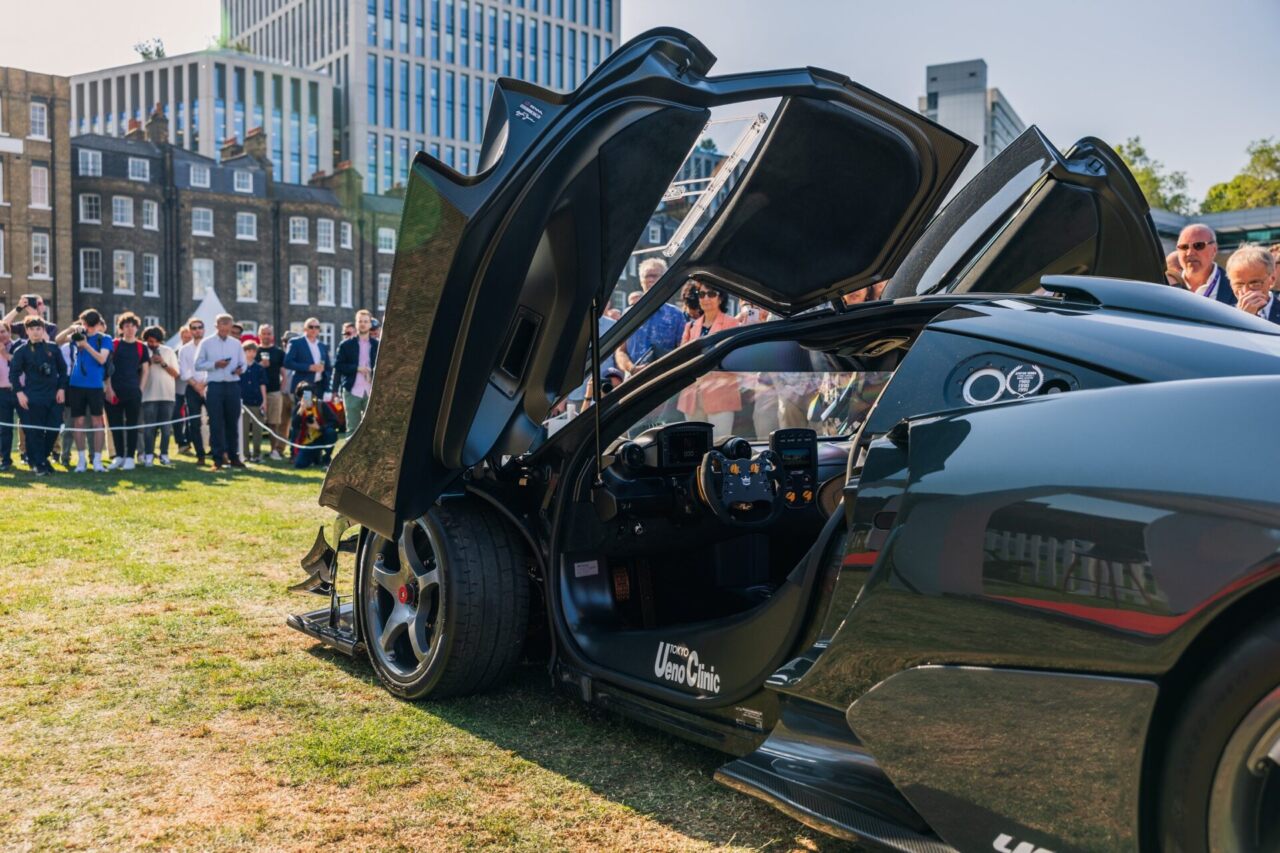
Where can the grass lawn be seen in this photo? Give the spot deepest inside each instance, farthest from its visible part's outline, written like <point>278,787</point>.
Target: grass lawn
<point>152,697</point>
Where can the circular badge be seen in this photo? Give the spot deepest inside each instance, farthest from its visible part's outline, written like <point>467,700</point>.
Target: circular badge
<point>1024,380</point>
<point>983,386</point>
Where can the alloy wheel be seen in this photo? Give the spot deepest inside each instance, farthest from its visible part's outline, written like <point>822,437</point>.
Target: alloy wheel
<point>404,600</point>
<point>1245,798</point>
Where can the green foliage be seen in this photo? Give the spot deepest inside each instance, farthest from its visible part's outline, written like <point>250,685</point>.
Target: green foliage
<point>1162,189</point>
<point>152,48</point>
<point>707,144</point>
<point>1257,185</point>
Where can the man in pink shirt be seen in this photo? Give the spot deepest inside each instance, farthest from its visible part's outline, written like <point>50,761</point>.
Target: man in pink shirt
<point>354,369</point>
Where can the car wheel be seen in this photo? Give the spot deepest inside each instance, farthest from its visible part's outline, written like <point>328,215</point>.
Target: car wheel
<point>443,609</point>
<point>1221,781</point>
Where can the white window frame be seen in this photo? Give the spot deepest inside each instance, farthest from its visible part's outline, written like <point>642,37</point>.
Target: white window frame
<point>384,290</point>
<point>251,233</point>
<point>131,283</point>
<point>326,286</point>
<point>3,274</point>
<point>85,287</point>
<point>41,108</point>
<point>201,170</point>
<point>39,205</point>
<point>117,207</point>
<point>40,246</point>
<point>150,320</point>
<point>326,334</point>
<point>151,283</point>
<point>243,179</point>
<point>85,217</point>
<point>386,241</point>
<point>298,230</point>
<point>346,287</point>
<point>345,231</point>
<point>201,210</point>
<point>139,169</point>
<point>200,264</point>
<point>246,268</point>
<point>150,215</point>
<point>299,285</point>
<point>90,165</point>
<point>3,203</point>
<point>324,235</point>
<point>655,234</point>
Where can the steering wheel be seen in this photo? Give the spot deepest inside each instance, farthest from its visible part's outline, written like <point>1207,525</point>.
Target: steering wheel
<point>741,492</point>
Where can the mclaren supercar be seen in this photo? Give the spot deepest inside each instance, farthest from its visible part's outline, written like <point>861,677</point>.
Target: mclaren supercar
<point>991,561</point>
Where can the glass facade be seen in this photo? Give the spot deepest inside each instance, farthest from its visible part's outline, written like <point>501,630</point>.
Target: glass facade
<point>313,129</point>
<point>295,131</point>
<point>237,94</point>
<point>277,126</point>
<point>219,102</point>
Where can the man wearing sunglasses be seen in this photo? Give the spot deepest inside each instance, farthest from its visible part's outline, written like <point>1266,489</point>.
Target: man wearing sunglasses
<point>1197,248</point>
<point>197,384</point>
<point>308,358</point>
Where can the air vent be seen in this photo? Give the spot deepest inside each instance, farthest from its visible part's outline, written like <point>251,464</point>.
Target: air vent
<point>515,358</point>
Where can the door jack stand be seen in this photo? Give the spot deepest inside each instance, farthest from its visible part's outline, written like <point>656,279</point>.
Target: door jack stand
<point>333,625</point>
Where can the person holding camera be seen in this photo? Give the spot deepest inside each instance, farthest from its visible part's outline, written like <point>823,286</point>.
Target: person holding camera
<point>31,305</point>
<point>39,374</point>
<point>222,358</point>
<point>313,424</point>
<point>157,395</point>
<point>90,353</point>
<point>130,364</point>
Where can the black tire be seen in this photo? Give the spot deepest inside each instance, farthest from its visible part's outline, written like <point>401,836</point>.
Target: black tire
<point>464,609</point>
<point>1210,800</point>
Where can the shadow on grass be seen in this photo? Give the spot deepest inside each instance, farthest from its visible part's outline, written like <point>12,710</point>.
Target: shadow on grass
<point>160,478</point>
<point>650,772</point>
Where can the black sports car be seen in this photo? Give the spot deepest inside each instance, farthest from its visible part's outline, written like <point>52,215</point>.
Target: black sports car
<point>988,562</point>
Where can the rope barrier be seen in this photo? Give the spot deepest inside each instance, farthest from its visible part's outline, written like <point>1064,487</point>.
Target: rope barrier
<point>280,437</point>
<point>24,426</point>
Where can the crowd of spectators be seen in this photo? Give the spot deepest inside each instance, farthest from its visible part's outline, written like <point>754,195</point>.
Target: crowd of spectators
<point>82,389</point>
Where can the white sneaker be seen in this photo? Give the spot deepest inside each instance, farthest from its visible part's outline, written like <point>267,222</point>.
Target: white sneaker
<point>97,465</point>
<point>148,460</point>
<point>116,464</point>
<point>164,459</point>
<point>128,464</point>
<point>275,454</point>
<point>80,465</point>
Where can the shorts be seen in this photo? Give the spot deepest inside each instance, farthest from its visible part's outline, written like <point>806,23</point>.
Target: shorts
<point>82,401</point>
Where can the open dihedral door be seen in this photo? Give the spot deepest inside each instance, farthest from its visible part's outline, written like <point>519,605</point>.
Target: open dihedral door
<point>495,275</point>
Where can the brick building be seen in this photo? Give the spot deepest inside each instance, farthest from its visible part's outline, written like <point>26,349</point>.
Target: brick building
<point>271,252</point>
<point>35,191</point>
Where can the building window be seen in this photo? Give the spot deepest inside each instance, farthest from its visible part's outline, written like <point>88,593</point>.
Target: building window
<point>122,211</point>
<point>201,278</point>
<point>655,233</point>
<point>39,254</point>
<point>243,181</point>
<point>90,163</point>
<point>200,176</point>
<point>2,201</point>
<point>348,289</point>
<point>324,235</point>
<point>246,226</point>
<point>346,235</point>
<point>386,240</point>
<point>384,286</point>
<point>90,271</point>
<point>246,281</point>
<point>139,169</point>
<point>39,120</point>
<point>298,285</point>
<point>150,215</point>
<point>326,334</point>
<point>324,286</point>
<point>90,207</point>
<point>39,186</point>
<point>202,222</point>
<point>297,229</point>
<point>150,320</point>
<point>122,271</point>
<point>150,276</point>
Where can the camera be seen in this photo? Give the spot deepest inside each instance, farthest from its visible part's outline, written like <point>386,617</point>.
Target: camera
<point>31,300</point>
<point>45,370</point>
<point>78,336</point>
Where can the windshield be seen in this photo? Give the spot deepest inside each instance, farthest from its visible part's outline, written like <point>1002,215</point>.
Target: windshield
<point>753,404</point>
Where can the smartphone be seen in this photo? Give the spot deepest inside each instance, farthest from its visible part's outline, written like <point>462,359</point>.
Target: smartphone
<point>306,399</point>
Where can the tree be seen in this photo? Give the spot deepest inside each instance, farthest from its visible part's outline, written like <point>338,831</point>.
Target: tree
<point>707,144</point>
<point>150,49</point>
<point>1164,190</point>
<point>1257,185</point>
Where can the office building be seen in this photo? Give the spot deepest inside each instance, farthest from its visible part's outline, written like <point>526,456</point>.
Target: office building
<point>35,191</point>
<point>957,97</point>
<point>419,74</point>
<point>1233,227</point>
<point>216,95</point>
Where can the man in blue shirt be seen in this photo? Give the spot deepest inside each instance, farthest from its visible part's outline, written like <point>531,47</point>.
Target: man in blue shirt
<point>90,350</point>
<point>659,334</point>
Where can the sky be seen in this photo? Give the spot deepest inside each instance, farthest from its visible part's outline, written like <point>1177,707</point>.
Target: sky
<point>1106,68</point>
